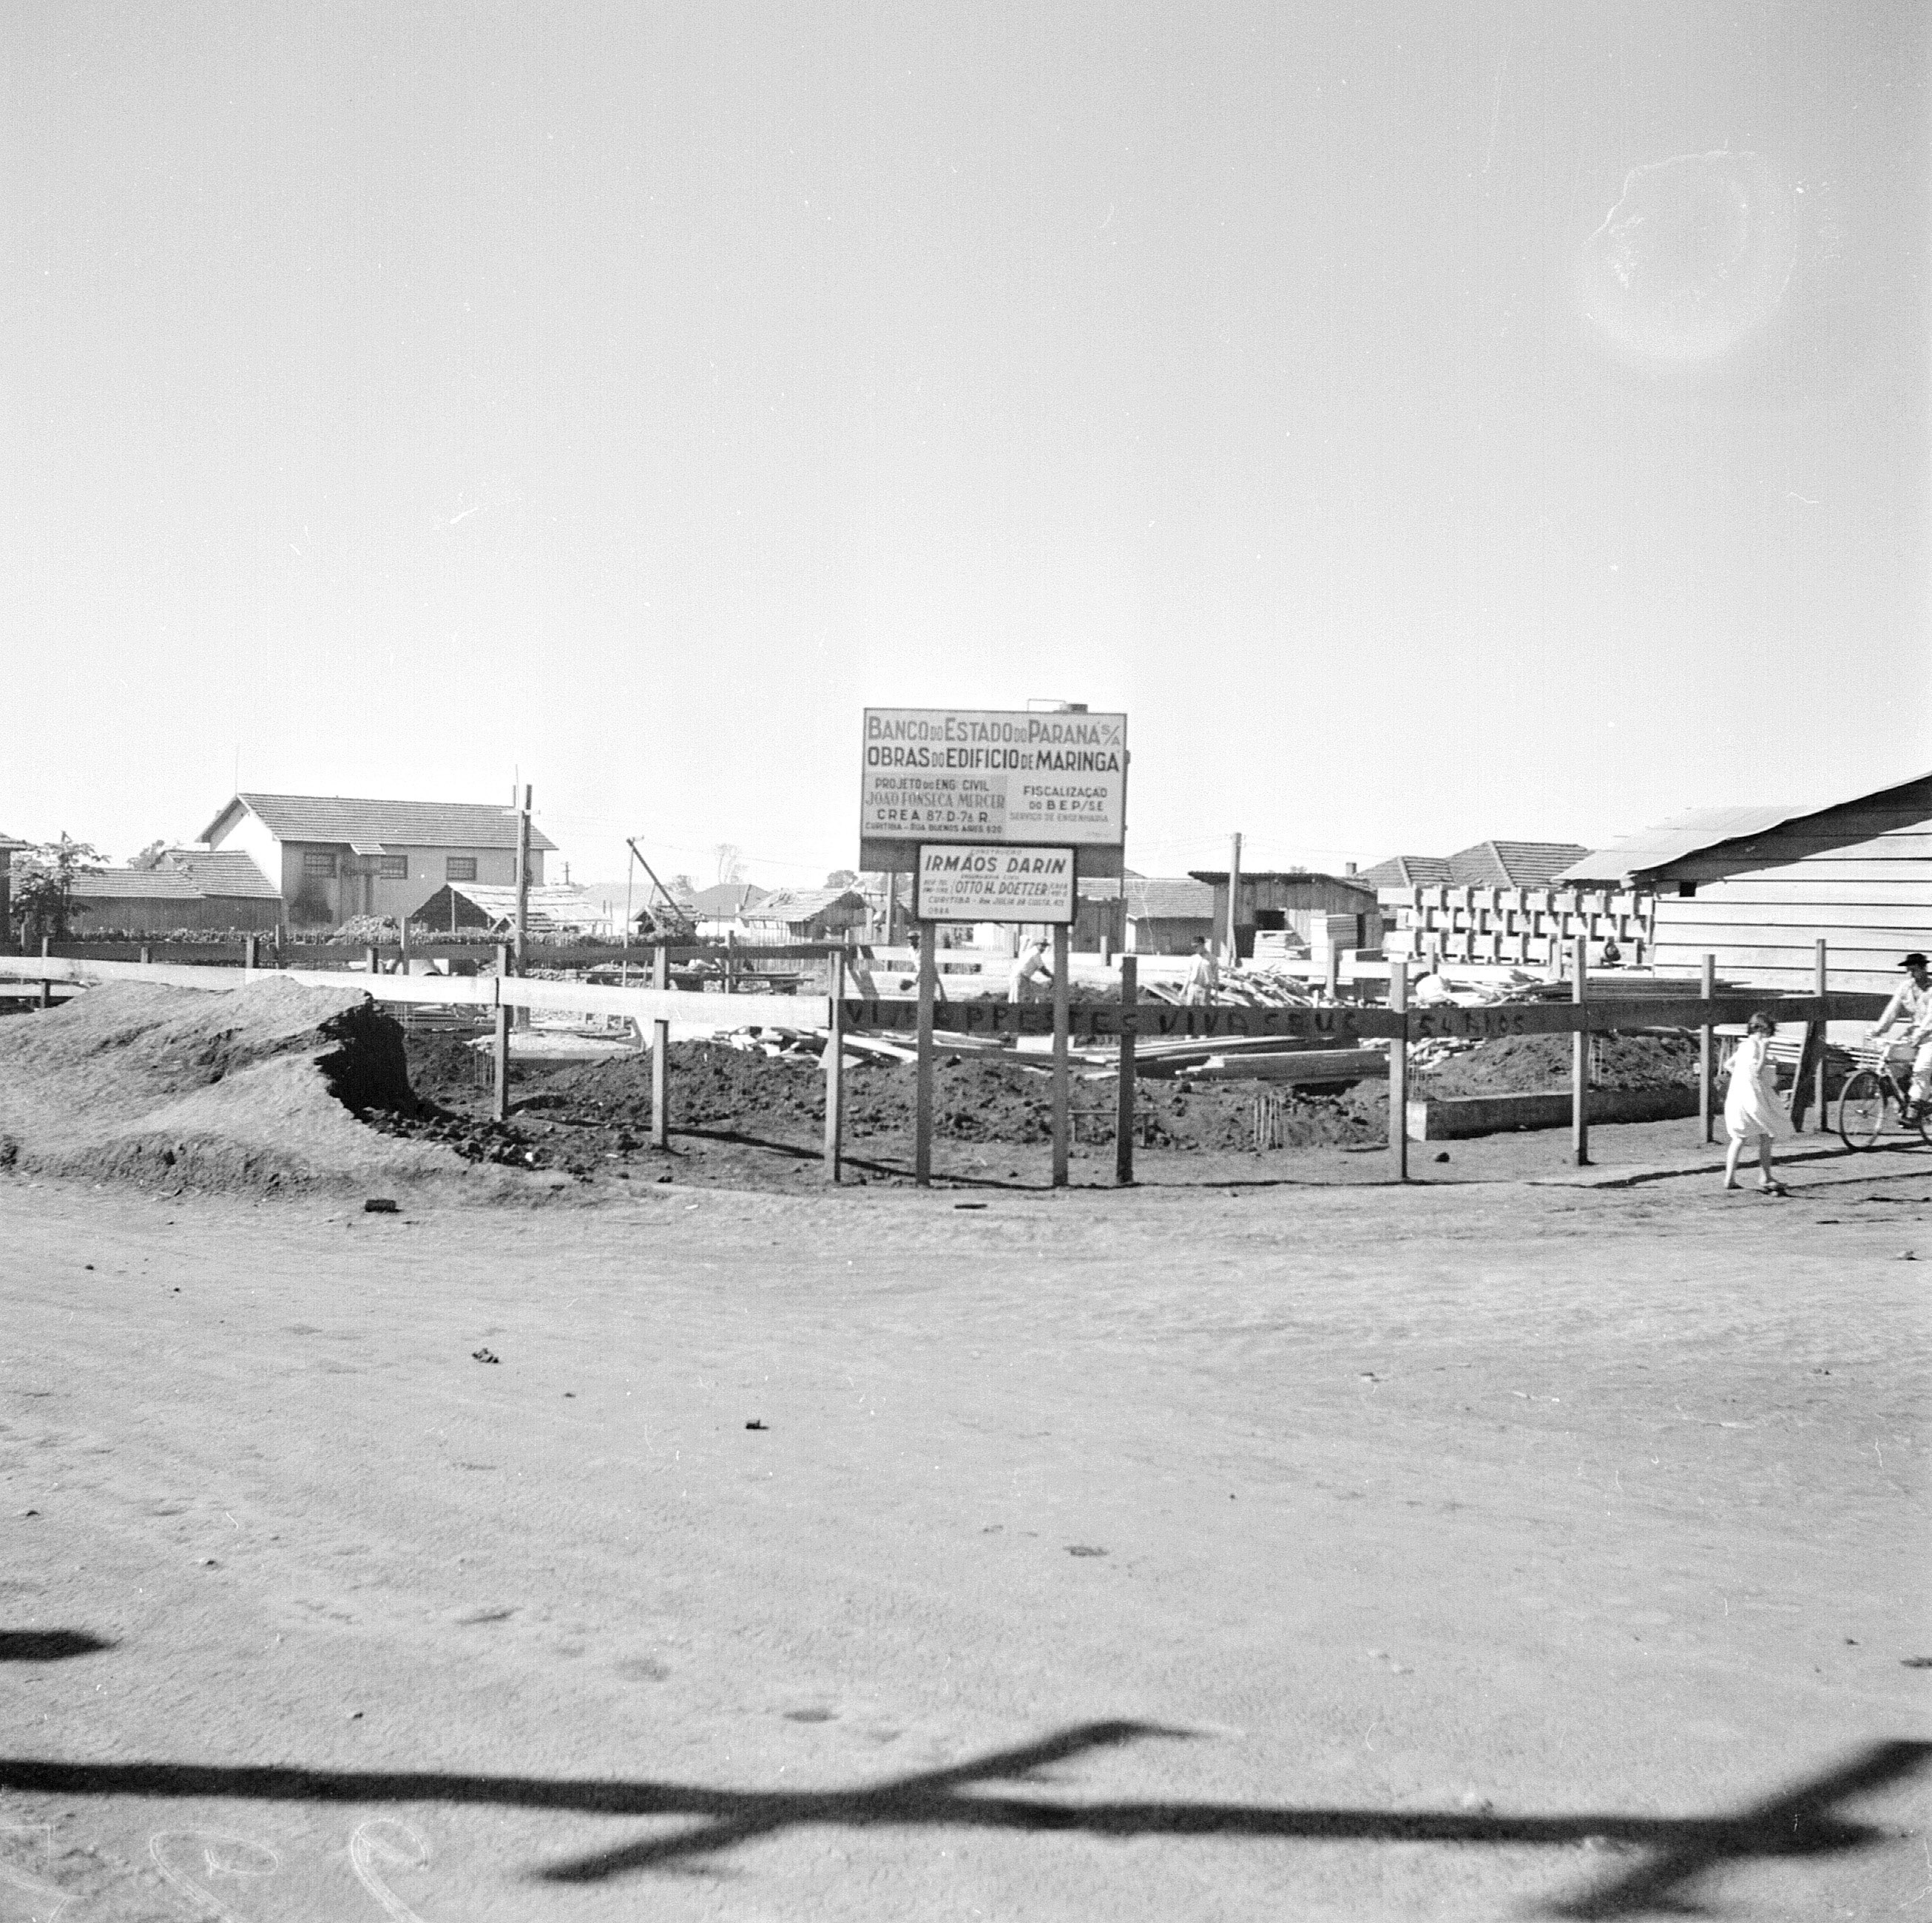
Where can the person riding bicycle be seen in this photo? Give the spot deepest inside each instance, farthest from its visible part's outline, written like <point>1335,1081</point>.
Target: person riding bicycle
<point>1913,1003</point>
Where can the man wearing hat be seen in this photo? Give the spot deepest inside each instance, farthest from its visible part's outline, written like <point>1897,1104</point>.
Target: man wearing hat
<point>1913,1002</point>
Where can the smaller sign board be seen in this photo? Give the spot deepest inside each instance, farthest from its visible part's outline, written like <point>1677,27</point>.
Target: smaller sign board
<point>966,883</point>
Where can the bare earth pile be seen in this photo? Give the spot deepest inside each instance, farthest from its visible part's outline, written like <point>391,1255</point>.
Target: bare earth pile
<point>255,1087</point>
<point>977,1100</point>
<point>1523,1064</point>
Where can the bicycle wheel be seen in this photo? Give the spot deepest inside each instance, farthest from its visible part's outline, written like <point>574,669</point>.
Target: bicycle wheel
<point>1922,1122</point>
<point>1861,1109</point>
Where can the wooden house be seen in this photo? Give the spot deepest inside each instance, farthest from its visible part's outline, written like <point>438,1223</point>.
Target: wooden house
<point>804,914</point>
<point>1759,887</point>
<point>209,890</point>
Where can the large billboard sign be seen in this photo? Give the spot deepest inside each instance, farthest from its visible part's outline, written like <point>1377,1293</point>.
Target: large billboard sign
<point>994,884</point>
<point>992,775</point>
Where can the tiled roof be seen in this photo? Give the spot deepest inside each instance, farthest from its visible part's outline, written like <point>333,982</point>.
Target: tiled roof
<point>1408,872</point>
<point>800,904</point>
<point>725,898</point>
<point>182,875</point>
<point>1513,864</point>
<point>1160,898</point>
<point>347,819</point>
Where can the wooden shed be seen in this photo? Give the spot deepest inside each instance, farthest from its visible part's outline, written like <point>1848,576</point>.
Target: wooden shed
<point>803,914</point>
<point>1759,887</point>
<point>1297,898</point>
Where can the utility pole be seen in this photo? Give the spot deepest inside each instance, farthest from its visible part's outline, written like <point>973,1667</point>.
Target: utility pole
<point>523,889</point>
<point>1234,899</point>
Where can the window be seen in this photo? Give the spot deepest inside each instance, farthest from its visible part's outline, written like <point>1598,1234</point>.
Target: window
<point>459,867</point>
<point>1685,890</point>
<point>318,862</point>
<point>395,868</point>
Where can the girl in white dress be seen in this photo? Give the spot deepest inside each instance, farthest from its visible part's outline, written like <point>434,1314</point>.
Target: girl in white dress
<point>1752,1110</point>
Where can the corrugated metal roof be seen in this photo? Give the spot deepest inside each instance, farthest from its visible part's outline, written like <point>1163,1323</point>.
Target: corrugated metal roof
<point>183,874</point>
<point>1682,834</point>
<point>549,908</point>
<point>348,818</point>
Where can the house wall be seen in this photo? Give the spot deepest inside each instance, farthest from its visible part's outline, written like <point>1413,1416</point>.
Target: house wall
<point>1165,934</point>
<point>313,899</point>
<point>1870,902</point>
<point>162,914</point>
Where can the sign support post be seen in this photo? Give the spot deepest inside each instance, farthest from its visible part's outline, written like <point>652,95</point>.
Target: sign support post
<point>1062,1121</point>
<point>834,1069</point>
<point>1123,1119</point>
<point>921,1124</point>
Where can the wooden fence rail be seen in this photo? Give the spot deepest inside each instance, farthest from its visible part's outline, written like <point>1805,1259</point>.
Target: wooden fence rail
<point>675,1015</point>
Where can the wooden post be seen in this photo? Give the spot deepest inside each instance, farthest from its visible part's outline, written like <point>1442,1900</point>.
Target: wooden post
<point>835,1070</point>
<point>661,1055</point>
<point>248,955</point>
<point>523,930</point>
<point>371,960</point>
<point>1123,1120</point>
<point>1398,1094</point>
<point>1234,900</point>
<point>1333,972</point>
<point>1062,1120</point>
<point>1824,989</point>
<point>1810,1063</point>
<point>499,1052</point>
<point>1706,1121</point>
<point>922,1119</point>
<point>1580,1063</point>
<point>47,986</point>
<point>147,956</point>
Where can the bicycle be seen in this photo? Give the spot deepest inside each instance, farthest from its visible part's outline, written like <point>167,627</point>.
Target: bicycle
<point>1869,1096</point>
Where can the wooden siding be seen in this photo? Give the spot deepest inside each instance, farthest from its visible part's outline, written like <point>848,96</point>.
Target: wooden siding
<point>1870,902</point>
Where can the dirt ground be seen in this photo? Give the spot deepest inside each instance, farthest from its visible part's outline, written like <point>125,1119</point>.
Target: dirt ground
<point>1321,1549</point>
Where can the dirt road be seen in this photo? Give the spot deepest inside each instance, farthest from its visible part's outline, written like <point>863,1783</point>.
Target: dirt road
<point>1359,1554</point>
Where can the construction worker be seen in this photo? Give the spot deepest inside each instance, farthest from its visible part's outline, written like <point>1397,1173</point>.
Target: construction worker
<point>1025,978</point>
<point>1202,982</point>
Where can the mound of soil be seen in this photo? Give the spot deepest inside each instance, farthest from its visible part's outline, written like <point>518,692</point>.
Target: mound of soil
<point>599,1112</point>
<point>257,1087</point>
<point>1525,1064</point>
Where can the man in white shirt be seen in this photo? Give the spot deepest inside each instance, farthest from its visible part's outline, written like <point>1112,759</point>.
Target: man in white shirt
<point>1202,982</point>
<point>1029,971</point>
<point>1912,1003</point>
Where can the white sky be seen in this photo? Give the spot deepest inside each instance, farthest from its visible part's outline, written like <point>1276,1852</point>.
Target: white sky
<point>399,396</point>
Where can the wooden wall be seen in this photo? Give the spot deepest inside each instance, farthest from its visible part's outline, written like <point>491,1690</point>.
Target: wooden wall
<point>1871,901</point>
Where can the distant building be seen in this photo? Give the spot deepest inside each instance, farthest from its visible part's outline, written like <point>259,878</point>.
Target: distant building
<point>9,847</point>
<point>333,856</point>
<point>1323,908</point>
<point>804,914</point>
<point>720,910</point>
<point>180,888</point>
<point>461,906</point>
<point>1759,887</point>
<point>1502,905</point>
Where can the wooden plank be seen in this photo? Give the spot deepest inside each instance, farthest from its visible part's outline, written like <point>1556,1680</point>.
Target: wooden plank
<point>1804,918</point>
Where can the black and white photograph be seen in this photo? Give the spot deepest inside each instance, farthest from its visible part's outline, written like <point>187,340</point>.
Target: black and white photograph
<point>965,961</point>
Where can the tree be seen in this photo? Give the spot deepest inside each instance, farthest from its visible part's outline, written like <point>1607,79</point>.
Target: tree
<point>731,861</point>
<point>43,905</point>
<point>841,877</point>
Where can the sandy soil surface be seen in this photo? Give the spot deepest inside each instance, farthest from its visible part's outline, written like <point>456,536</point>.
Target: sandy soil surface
<point>1462,1551</point>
